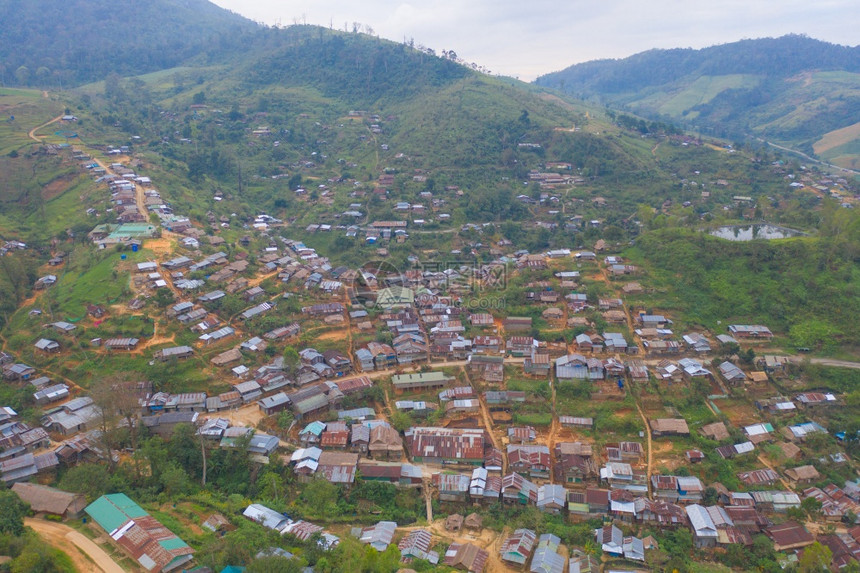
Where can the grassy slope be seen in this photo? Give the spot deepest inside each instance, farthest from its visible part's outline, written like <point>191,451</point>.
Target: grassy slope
<point>701,90</point>
<point>30,110</point>
<point>798,287</point>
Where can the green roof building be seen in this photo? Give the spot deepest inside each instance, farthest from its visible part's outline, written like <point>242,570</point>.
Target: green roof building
<point>150,543</point>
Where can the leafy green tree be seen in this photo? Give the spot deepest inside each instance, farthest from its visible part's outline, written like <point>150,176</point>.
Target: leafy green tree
<point>163,297</point>
<point>815,559</point>
<point>92,480</point>
<point>184,447</point>
<point>12,512</point>
<point>38,557</point>
<point>238,547</point>
<point>291,359</point>
<point>22,74</point>
<point>401,421</point>
<point>174,480</point>
<point>320,496</point>
<point>284,419</point>
<point>811,506</point>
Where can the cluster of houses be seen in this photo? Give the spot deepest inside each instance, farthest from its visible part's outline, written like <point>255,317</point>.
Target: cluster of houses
<point>300,529</point>
<point>545,552</point>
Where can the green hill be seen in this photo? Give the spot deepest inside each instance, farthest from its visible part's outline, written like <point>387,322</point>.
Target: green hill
<point>53,43</point>
<point>792,90</point>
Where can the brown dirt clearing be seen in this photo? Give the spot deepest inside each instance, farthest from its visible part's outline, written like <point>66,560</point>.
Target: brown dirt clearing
<point>162,246</point>
<point>836,138</point>
<point>85,554</point>
<point>333,335</point>
<point>57,187</point>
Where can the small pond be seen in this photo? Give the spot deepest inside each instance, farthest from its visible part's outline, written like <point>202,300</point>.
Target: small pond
<point>758,231</point>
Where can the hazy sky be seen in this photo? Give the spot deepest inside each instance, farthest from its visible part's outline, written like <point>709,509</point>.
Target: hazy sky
<point>527,38</point>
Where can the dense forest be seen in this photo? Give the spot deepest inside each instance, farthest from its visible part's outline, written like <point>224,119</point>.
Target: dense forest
<point>49,43</point>
<point>771,57</point>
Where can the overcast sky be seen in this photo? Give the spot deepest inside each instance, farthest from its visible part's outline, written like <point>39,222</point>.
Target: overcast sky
<point>527,38</point>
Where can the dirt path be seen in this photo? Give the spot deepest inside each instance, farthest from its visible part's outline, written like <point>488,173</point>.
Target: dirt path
<point>650,449</point>
<point>428,498</point>
<point>781,479</point>
<point>488,420</point>
<point>156,339</point>
<point>33,131</point>
<point>138,190</point>
<point>494,562</point>
<point>830,362</point>
<point>84,553</point>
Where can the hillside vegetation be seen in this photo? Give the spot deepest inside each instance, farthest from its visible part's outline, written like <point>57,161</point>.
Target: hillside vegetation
<point>808,288</point>
<point>792,89</point>
<point>63,43</point>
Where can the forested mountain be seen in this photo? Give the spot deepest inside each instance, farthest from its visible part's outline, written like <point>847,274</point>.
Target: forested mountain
<point>51,43</point>
<point>792,89</point>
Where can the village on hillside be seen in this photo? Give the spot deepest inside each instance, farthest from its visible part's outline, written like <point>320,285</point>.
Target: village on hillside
<point>533,382</point>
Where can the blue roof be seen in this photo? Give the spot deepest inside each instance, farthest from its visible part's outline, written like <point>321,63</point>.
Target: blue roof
<point>316,428</point>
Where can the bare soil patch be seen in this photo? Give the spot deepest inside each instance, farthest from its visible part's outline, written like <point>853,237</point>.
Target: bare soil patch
<point>837,138</point>
<point>739,413</point>
<point>57,187</point>
<point>86,555</point>
<point>162,246</point>
<point>340,334</point>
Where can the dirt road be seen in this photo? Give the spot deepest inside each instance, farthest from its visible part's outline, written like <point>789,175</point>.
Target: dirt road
<point>33,131</point>
<point>829,362</point>
<point>85,554</point>
<point>139,191</point>
<point>785,484</point>
<point>650,449</point>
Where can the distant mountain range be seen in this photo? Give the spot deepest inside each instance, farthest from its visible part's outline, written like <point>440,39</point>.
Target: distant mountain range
<point>792,90</point>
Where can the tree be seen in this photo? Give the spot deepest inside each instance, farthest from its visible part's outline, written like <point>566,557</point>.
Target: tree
<point>42,74</point>
<point>321,496</point>
<point>163,297</point>
<point>710,496</point>
<point>92,480</point>
<point>816,558</point>
<point>117,397</point>
<point>400,420</point>
<point>12,512</point>
<point>811,506</point>
<point>22,74</point>
<point>39,557</point>
<point>174,480</point>
<point>291,359</point>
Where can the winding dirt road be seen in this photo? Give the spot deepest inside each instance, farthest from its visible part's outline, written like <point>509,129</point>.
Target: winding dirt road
<point>33,131</point>
<point>84,553</point>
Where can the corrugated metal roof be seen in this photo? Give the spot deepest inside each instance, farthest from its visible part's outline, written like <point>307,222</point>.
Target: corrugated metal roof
<point>701,521</point>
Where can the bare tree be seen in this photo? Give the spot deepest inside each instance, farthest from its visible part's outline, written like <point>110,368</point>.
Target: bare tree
<point>118,398</point>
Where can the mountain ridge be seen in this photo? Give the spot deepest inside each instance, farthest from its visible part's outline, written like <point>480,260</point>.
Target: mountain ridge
<point>793,90</point>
